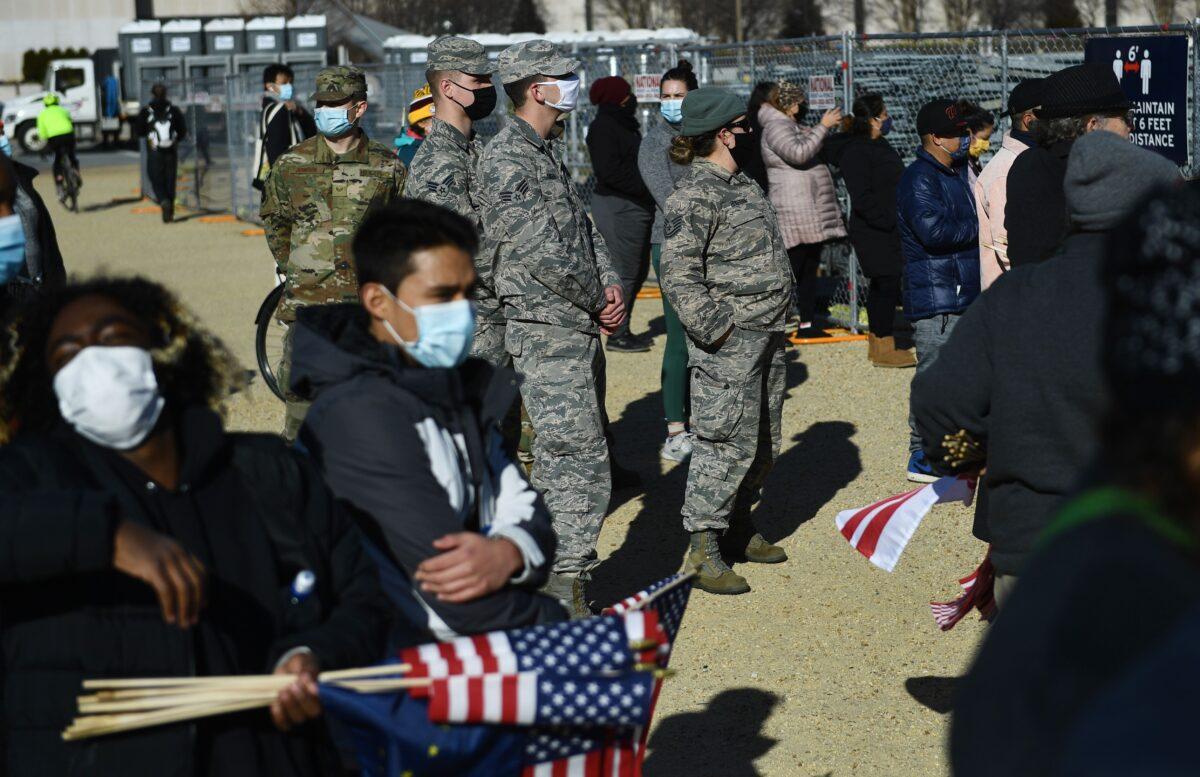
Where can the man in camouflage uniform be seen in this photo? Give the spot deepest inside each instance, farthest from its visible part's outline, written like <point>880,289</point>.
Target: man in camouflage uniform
<point>316,195</point>
<point>559,291</point>
<point>725,270</point>
<point>443,171</point>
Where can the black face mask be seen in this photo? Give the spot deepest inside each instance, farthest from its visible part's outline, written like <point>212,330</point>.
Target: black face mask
<point>801,113</point>
<point>485,102</point>
<point>630,106</point>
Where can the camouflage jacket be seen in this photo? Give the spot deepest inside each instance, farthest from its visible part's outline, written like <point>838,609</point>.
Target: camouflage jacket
<point>724,260</point>
<point>551,265</point>
<point>444,172</point>
<point>313,203</point>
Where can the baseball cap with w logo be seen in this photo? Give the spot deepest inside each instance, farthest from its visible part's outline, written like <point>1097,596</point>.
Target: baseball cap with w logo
<point>941,118</point>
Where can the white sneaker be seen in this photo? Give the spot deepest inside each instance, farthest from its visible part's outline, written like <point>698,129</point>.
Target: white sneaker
<point>678,447</point>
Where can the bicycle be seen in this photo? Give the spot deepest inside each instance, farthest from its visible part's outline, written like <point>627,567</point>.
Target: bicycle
<point>268,340</point>
<point>67,181</point>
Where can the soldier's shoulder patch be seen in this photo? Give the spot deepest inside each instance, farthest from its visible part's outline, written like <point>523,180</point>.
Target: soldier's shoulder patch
<point>672,225</point>
<point>515,193</point>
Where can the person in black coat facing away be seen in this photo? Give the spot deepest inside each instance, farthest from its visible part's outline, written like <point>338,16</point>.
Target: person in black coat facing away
<point>163,126</point>
<point>871,169</point>
<point>621,205</point>
<point>1117,571</point>
<point>139,539</point>
<point>748,153</point>
<point>1075,101</point>
<point>1037,408</point>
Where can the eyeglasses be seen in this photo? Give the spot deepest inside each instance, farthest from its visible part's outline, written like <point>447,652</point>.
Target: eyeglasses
<point>740,127</point>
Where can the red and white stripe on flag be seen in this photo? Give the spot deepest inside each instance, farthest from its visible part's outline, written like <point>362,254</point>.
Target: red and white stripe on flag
<point>583,765</point>
<point>509,699</point>
<point>478,655</point>
<point>882,530</point>
<point>978,593</point>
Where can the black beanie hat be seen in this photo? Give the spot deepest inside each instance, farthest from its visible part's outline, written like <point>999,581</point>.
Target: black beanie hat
<point>1152,275</point>
<point>1080,90</point>
<point>1025,96</point>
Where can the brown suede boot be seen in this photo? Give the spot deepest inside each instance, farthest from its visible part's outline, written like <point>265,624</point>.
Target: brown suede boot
<point>887,355</point>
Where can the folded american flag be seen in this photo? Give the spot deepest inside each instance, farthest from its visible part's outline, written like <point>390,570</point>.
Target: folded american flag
<point>978,593</point>
<point>881,531</point>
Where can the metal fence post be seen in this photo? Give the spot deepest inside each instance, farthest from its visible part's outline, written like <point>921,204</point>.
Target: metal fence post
<point>1195,129</point>
<point>231,142</point>
<point>847,106</point>
<point>1004,73</point>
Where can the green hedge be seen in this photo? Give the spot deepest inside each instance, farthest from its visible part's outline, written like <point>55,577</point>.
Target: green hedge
<point>34,62</point>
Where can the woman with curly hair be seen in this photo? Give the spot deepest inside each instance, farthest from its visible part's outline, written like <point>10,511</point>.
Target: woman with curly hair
<point>139,538</point>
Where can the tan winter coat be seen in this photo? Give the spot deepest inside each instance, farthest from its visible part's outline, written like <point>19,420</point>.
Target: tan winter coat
<point>801,184</point>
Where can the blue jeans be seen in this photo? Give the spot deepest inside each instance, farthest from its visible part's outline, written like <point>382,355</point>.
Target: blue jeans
<point>929,334</point>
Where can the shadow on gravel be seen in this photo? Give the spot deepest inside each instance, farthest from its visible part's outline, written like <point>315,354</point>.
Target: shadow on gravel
<point>936,693</point>
<point>821,461</point>
<point>113,203</point>
<point>723,739</point>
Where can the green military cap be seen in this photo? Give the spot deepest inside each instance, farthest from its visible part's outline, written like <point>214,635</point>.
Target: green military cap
<point>705,110</point>
<point>534,58</point>
<point>450,52</point>
<point>338,83</point>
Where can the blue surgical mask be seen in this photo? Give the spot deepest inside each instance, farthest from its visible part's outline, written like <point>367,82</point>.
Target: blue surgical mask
<point>12,247</point>
<point>444,331</point>
<point>964,146</point>
<point>5,145</point>
<point>333,122</point>
<point>285,92</point>
<point>672,110</point>
<point>886,126</point>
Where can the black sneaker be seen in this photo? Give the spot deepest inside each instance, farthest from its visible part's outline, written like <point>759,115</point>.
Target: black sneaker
<point>627,343</point>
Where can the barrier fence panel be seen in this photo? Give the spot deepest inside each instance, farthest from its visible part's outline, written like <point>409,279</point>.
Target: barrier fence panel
<point>907,69</point>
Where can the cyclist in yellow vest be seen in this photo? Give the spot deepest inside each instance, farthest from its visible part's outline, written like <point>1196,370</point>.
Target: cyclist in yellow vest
<point>54,126</point>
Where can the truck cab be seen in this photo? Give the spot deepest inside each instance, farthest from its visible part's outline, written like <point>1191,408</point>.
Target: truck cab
<point>74,81</point>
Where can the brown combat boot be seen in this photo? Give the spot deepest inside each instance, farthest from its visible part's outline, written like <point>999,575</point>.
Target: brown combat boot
<point>568,590</point>
<point>760,551</point>
<point>714,576</point>
<point>882,352</point>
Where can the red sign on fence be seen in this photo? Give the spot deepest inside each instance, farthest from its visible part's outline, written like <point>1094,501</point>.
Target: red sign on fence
<point>645,87</point>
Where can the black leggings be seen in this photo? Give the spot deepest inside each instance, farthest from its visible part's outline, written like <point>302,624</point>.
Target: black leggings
<point>882,299</point>
<point>806,259</point>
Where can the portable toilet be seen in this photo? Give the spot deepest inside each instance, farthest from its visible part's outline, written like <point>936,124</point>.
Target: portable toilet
<point>135,40</point>
<point>225,36</point>
<point>182,38</point>
<point>306,33</point>
<point>265,35</point>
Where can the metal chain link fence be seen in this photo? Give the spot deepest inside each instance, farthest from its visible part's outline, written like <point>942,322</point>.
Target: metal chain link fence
<point>908,70</point>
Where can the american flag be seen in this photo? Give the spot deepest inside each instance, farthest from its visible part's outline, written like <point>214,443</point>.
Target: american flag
<point>572,647</point>
<point>977,593</point>
<point>881,531</point>
<point>529,699</point>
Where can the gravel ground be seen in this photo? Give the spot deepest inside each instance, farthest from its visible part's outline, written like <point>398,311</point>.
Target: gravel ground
<point>829,667</point>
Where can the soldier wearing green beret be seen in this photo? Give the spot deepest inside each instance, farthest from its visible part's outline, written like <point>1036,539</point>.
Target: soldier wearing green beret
<point>559,292</point>
<point>315,197</point>
<point>726,272</point>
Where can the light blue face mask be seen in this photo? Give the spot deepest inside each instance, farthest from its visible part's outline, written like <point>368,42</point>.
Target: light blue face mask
<point>333,122</point>
<point>12,247</point>
<point>444,331</point>
<point>671,110</point>
<point>285,92</point>
<point>5,145</point>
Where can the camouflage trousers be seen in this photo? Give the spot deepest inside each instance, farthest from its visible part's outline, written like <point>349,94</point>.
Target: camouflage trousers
<point>737,412</point>
<point>488,343</point>
<point>296,409</point>
<point>563,378</point>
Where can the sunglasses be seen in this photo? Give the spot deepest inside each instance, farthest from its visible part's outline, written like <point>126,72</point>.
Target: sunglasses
<point>742,127</point>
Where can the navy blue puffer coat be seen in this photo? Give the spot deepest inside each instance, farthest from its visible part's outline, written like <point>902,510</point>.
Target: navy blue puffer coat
<point>939,231</point>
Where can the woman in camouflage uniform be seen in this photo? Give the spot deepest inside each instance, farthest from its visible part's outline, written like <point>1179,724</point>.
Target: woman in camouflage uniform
<point>726,272</point>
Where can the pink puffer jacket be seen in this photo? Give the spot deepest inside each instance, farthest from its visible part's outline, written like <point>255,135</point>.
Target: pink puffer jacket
<point>801,185</point>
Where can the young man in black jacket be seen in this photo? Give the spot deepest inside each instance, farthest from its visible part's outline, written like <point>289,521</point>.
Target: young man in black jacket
<point>1034,400</point>
<point>405,429</point>
<point>283,123</point>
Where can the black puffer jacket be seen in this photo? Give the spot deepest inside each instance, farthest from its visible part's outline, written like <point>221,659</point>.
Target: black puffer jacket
<point>254,512</point>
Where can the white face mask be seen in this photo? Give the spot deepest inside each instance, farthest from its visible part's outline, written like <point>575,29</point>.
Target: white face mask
<point>110,395</point>
<point>568,93</point>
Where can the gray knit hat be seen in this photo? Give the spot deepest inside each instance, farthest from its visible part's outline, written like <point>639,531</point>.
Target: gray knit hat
<point>1107,176</point>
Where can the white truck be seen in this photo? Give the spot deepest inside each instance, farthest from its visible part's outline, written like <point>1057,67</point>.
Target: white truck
<point>79,90</point>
